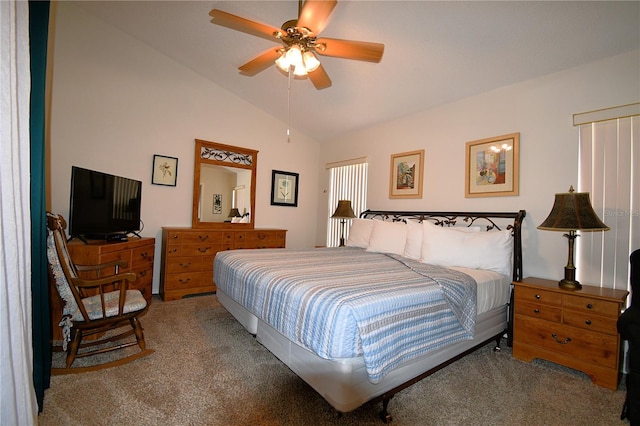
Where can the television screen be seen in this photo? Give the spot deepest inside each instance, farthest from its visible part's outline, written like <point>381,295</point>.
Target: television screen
<point>103,205</point>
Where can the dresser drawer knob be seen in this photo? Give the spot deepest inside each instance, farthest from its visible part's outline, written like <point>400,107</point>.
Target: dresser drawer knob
<point>144,255</point>
<point>537,296</point>
<point>204,250</point>
<point>184,281</point>
<point>588,322</point>
<point>185,265</point>
<point>536,311</point>
<point>143,273</point>
<point>203,237</point>
<point>562,342</point>
<point>589,306</point>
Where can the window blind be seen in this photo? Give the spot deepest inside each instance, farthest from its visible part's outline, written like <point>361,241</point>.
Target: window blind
<point>609,165</point>
<point>348,182</point>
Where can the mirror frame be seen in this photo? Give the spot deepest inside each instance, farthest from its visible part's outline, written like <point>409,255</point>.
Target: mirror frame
<point>218,154</point>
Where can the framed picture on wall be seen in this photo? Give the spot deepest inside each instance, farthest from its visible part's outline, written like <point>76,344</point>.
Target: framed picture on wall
<point>492,166</point>
<point>284,188</point>
<point>165,170</point>
<point>405,180</point>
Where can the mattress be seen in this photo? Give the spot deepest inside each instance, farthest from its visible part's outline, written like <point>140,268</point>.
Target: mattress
<point>344,383</point>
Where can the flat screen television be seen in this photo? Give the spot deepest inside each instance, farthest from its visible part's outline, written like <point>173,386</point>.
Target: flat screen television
<point>103,206</point>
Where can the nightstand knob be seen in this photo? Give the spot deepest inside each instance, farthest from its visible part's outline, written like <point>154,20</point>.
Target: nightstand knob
<point>589,306</point>
<point>588,322</point>
<point>537,296</point>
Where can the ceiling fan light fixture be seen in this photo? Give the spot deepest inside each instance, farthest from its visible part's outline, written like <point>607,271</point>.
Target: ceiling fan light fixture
<point>293,57</point>
<point>311,63</point>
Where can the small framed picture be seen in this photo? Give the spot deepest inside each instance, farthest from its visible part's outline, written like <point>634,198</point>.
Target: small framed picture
<point>405,179</point>
<point>284,188</point>
<point>492,166</point>
<point>165,170</point>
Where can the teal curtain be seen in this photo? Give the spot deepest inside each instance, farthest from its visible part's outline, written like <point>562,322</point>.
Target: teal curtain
<point>38,34</point>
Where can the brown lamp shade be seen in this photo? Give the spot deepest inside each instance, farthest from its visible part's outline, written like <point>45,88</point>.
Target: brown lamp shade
<point>572,211</point>
<point>344,210</point>
<point>234,213</point>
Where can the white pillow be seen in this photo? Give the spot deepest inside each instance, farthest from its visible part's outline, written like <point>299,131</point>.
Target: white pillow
<point>359,233</point>
<point>413,245</point>
<point>477,250</point>
<point>388,237</point>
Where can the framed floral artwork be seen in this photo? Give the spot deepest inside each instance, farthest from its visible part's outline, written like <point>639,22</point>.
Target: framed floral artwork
<point>492,166</point>
<point>405,179</point>
<point>284,188</point>
<point>165,170</point>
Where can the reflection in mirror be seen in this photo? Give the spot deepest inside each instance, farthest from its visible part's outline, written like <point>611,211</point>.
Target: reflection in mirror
<point>223,189</point>
<point>224,186</point>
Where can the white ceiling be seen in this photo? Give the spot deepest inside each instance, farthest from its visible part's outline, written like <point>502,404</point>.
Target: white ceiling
<point>435,52</point>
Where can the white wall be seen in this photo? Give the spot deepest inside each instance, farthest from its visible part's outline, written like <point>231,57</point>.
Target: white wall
<point>541,110</point>
<point>116,102</point>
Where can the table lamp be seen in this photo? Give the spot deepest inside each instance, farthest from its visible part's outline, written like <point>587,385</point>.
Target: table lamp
<point>572,212</point>
<point>343,211</point>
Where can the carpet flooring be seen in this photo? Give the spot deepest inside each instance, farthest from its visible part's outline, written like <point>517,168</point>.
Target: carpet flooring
<point>207,370</point>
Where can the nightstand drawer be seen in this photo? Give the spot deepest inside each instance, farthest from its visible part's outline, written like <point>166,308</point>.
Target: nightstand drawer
<point>589,321</point>
<point>592,347</point>
<point>526,294</point>
<point>537,310</point>
<point>588,304</point>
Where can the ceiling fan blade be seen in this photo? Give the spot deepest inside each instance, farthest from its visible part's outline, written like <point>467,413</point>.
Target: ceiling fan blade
<point>320,78</point>
<point>260,62</point>
<point>245,25</point>
<point>315,14</point>
<point>349,49</point>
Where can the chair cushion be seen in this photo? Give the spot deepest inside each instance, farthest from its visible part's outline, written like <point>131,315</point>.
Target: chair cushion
<point>134,301</point>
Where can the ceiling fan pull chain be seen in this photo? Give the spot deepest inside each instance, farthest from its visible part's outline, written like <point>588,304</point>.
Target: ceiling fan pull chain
<point>289,106</point>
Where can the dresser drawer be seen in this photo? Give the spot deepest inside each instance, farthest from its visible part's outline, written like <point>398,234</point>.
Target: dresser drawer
<point>592,347</point>
<point>202,249</point>
<point>202,237</point>
<point>179,265</point>
<point>142,256</point>
<point>118,255</point>
<point>537,310</point>
<point>526,294</point>
<point>188,280</point>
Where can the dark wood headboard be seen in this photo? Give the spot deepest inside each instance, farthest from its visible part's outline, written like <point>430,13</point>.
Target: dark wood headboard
<point>490,220</point>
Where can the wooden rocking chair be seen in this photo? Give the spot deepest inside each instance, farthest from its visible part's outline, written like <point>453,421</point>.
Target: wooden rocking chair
<point>93,307</point>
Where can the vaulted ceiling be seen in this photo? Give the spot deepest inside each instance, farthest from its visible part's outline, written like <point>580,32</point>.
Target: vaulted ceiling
<point>435,52</point>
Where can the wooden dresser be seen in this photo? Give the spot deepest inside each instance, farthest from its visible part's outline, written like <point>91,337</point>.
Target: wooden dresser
<point>137,252</point>
<point>574,328</point>
<point>187,256</point>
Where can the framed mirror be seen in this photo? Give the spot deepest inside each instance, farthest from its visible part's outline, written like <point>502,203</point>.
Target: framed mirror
<point>224,186</point>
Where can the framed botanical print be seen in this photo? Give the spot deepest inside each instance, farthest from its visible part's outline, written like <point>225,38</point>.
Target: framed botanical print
<point>165,170</point>
<point>284,188</point>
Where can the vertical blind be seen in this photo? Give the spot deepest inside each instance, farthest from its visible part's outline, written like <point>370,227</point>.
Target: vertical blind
<point>609,169</point>
<point>348,182</point>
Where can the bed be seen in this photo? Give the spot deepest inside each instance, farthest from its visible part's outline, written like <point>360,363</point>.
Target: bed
<point>410,293</point>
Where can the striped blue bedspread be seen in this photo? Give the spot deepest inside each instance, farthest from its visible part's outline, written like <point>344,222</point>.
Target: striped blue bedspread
<point>347,302</point>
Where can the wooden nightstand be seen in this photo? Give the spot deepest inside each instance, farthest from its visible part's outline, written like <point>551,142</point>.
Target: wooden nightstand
<point>574,328</point>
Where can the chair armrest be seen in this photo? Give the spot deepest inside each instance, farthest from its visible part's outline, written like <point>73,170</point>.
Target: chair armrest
<point>111,279</point>
<point>110,264</point>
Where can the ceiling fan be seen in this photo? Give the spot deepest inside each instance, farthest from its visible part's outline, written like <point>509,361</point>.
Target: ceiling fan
<point>300,42</point>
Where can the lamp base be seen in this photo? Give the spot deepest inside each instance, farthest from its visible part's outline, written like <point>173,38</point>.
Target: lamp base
<point>566,284</point>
